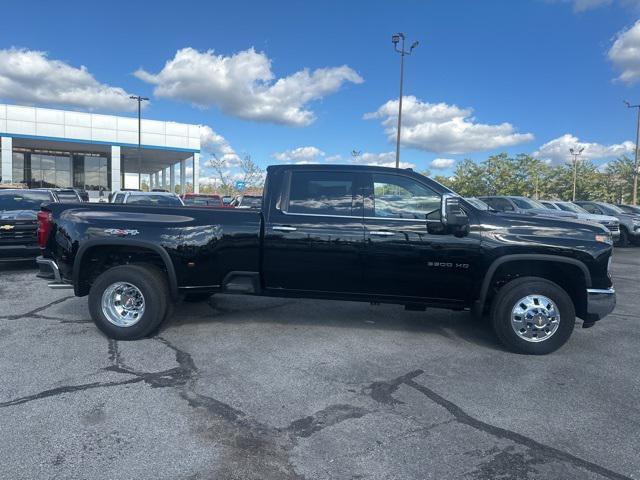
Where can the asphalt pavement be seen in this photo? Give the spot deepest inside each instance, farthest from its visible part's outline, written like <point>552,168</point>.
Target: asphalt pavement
<point>258,388</point>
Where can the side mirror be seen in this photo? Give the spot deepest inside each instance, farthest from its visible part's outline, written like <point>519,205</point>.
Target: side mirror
<point>452,214</point>
<point>453,217</point>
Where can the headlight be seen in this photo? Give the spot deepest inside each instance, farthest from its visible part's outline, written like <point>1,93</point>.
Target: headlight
<point>604,238</point>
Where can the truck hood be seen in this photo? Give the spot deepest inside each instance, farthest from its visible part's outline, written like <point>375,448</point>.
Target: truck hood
<point>539,229</point>
<point>592,217</point>
<point>547,212</point>
<point>18,215</point>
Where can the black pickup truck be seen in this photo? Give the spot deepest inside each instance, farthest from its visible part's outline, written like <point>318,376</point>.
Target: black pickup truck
<point>336,232</point>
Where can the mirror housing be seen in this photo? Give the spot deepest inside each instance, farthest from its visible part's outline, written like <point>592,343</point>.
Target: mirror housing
<point>452,216</point>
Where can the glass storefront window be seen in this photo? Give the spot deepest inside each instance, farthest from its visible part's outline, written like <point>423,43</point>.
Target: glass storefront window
<point>49,169</point>
<point>18,168</point>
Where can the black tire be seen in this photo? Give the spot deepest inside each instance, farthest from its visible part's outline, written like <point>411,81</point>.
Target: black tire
<point>506,299</point>
<point>624,238</point>
<point>151,282</point>
<point>196,297</point>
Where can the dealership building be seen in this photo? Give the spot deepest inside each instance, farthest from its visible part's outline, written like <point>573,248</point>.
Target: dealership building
<point>49,148</point>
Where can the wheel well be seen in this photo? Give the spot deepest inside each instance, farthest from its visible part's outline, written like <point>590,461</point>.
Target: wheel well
<point>570,277</point>
<point>99,258</point>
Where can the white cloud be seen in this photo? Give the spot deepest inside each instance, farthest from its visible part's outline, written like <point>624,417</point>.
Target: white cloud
<point>443,128</point>
<point>385,159</point>
<point>580,6</point>
<point>214,143</point>
<point>625,54</point>
<point>300,155</point>
<point>556,151</point>
<point>243,85</point>
<point>29,76</point>
<point>442,163</point>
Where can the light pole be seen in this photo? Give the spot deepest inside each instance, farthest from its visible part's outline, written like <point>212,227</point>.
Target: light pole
<point>635,166</point>
<point>139,99</point>
<point>395,39</point>
<point>575,152</point>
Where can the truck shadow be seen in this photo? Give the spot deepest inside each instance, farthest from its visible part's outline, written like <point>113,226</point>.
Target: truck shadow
<point>235,309</point>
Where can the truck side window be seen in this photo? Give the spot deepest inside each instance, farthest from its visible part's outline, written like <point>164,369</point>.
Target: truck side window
<point>396,196</point>
<point>500,204</point>
<point>321,193</point>
<point>119,198</point>
<point>591,208</point>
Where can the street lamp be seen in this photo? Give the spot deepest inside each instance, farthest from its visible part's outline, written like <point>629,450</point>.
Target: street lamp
<point>575,152</point>
<point>395,39</point>
<point>356,155</point>
<point>139,99</point>
<point>635,166</point>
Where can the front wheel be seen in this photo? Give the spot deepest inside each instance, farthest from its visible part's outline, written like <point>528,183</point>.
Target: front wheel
<point>128,302</point>
<point>532,315</point>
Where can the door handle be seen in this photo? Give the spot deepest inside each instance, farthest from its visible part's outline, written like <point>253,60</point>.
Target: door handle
<point>381,233</point>
<point>284,228</point>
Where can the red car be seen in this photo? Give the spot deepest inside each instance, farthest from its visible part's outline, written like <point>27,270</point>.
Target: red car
<point>203,200</point>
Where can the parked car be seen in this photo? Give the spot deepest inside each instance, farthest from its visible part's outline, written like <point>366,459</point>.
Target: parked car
<point>630,209</point>
<point>247,201</point>
<point>610,223</point>
<point>18,222</point>
<point>227,199</point>
<point>156,199</point>
<point>203,200</point>
<point>522,205</point>
<point>629,223</point>
<point>332,232</point>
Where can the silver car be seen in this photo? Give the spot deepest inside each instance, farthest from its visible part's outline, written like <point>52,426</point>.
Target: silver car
<point>610,222</point>
<point>524,205</point>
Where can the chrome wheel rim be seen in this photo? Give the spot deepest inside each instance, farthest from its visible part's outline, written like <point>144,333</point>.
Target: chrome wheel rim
<point>123,304</point>
<point>535,318</point>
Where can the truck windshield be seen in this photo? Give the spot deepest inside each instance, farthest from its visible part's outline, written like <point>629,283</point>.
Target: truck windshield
<point>155,200</point>
<point>203,201</point>
<point>22,200</point>
<point>527,203</point>
<point>571,207</point>
<point>476,202</point>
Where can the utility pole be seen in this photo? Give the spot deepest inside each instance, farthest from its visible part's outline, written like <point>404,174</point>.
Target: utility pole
<point>395,39</point>
<point>635,166</point>
<point>139,99</point>
<point>575,152</point>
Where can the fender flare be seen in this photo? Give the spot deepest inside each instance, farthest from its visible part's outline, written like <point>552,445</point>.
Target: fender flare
<point>166,259</point>
<point>537,257</point>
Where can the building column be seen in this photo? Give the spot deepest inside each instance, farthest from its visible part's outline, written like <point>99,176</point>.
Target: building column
<point>156,180</point>
<point>172,178</point>
<point>183,183</point>
<point>164,178</point>
<point>196,173</point>
<point>115,168</point>
<point>7,159</point>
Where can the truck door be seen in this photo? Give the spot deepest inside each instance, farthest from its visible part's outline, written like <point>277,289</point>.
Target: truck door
<point>402,259</point>
<point>313,238</point>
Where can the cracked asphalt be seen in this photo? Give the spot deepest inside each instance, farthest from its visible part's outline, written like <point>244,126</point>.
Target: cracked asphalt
<point>257,388</point>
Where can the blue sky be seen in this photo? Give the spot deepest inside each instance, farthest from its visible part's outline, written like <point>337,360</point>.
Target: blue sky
<point>491,76</point>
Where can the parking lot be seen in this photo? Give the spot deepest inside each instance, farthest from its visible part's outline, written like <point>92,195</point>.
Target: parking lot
<point>245,387</point>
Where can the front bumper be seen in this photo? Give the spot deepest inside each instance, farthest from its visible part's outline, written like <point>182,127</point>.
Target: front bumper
<point>49,269</point>
<point>600,303</point>
<point>11,253</point>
